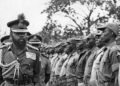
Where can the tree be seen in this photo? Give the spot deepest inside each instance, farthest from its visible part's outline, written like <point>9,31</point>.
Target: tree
<point>88,19</point>
<point>113,8</point>
<point>51,32</point>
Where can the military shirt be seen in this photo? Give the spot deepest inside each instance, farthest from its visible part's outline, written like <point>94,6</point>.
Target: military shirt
<point>96,64</point>
<point>59,64</point>
<point>89,63</point>
<point>28,60</point>
<point>71,65</point>
<point>64,66</point>
<point>53,60</point>
<point>81,64</point>
<point>109,65</point>
<point>45,69</point>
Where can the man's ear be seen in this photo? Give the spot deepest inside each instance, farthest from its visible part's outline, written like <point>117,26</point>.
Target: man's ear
<point>111,34</point>
<point>10,33</point>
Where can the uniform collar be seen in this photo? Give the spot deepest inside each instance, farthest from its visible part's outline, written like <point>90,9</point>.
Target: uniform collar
<point>111,44</point>
<point>13,49</point>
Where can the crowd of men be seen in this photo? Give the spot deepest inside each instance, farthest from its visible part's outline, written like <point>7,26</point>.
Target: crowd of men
<point>91,60</point>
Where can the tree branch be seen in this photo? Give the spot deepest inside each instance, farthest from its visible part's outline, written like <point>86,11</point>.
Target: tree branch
<point>75,22</point>
<point>95,21</point>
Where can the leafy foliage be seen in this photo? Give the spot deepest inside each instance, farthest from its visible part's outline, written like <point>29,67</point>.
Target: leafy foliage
<point>82,20</point>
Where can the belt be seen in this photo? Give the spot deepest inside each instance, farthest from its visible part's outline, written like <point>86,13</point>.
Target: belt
<point>18,82</point>
<point>71,79</point>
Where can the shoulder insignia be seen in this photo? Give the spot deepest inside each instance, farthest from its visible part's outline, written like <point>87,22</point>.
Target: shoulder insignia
<point>3,46</point>
<point>44,56</point>
<point>30,46</point>
<point>31,55</point>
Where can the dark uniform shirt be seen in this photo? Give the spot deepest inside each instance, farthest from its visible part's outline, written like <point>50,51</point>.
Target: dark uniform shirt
<point>45,69</point>
<point>28,61</point>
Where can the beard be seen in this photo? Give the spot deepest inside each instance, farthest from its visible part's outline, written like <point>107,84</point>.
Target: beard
<point>19,43</point>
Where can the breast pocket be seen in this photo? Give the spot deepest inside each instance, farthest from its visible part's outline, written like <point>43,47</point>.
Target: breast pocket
<point>27,63</point>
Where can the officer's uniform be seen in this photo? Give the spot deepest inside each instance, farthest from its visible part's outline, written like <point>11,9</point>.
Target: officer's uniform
<point>45,71</point>
<point>6,40</point>
<point>19,69</point>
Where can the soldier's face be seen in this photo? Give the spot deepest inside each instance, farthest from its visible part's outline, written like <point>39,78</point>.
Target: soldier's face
<point>90,42</point>
<point>99,43</point>
<point>80,45</point>
<point>19,38</point>
<point>69,48</point>
<point>106,35</point>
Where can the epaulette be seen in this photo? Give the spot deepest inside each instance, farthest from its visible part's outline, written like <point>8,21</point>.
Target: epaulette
<point>3,46</point>
<point>44,56</point>
<point>30,46</point>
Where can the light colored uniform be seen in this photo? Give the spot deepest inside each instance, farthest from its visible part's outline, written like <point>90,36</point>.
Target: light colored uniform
<point>107,73</point>
<point>59,64</point>
<point>89,64</point>
<point>63,81</point>
<point>71,70</point>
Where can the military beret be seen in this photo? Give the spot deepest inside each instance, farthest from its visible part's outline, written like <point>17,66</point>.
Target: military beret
<point>35,39</point>
<point>18,25</point>
<point>73,40</point>
<point>112,26</point>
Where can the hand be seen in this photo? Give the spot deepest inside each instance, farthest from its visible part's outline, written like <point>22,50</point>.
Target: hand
<point>81,84</point>
<point>37,84</point>
<point>85,80</point>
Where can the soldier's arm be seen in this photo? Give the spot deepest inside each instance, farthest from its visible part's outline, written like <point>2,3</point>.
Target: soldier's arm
<point>115,61</point>
<point>47,71</point>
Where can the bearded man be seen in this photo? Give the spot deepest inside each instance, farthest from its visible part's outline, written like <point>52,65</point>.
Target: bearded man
<point>19,61</point>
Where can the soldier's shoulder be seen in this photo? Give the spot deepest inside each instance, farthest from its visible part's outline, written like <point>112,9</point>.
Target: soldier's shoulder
<point>114,48</point>
<point>5,46</point>
<point>44,56</point>
<point>32,48</point>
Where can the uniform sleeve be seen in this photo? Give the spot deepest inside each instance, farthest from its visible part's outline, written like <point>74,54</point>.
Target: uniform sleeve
<point>37,66</point>
<point>48,67</point>
<point>115,60</point>
<point>115,66</point>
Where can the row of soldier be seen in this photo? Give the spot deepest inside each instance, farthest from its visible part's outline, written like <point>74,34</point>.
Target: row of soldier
<point>87,61</point>
<point>91,60</point>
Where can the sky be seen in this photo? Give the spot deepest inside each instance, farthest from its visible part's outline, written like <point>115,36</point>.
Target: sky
<point>9,10</point>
